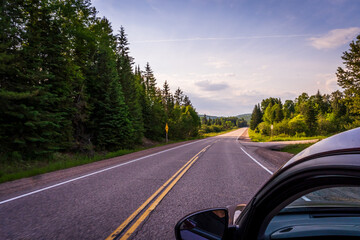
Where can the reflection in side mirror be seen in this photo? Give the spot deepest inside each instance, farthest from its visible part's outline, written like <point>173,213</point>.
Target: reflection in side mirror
<point>208,224</point>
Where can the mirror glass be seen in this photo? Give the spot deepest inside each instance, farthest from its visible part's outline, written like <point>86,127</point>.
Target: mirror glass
<point>209,224</point>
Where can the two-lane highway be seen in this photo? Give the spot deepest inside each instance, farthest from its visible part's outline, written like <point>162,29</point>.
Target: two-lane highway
<point>166,184</point>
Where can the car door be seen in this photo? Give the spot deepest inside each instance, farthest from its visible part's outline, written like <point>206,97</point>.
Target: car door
<point>298,182</point>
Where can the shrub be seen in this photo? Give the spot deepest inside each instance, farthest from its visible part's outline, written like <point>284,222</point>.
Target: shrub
<point>297,125</point>
<point>264,128</point>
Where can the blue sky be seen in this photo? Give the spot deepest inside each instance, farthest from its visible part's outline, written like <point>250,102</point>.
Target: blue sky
<point>227,55</point>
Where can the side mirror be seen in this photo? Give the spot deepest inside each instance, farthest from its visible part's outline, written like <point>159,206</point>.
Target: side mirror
<point>207,224</point>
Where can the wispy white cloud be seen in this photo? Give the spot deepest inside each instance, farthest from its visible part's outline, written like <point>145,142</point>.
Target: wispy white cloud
<point>206,85</point>
<point>221,38</point>
<point>334,38</point>
<point>218,63</point>
<point>241,102</point>
<point>213,75</point>
<point>327,83</point>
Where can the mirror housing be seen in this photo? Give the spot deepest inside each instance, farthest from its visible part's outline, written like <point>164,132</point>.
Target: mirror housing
<point>206,224</point>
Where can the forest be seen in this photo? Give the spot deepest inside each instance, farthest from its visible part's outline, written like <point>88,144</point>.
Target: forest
<point>219,124</point>
<point>69,84</point>
<point>319,114</point>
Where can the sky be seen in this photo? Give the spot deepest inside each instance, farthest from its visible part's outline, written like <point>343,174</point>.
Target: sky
<point>228,55</point>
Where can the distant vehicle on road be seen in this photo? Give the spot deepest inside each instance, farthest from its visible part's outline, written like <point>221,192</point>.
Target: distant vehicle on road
<point>316,195</point>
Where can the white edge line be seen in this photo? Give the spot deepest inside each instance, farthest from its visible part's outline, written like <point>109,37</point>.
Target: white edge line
<point>90,174</point>
<point>303,197</point>
<point>257,161</point>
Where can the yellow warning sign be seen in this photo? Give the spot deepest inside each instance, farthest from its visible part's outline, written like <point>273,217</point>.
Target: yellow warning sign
<point>166,128</point>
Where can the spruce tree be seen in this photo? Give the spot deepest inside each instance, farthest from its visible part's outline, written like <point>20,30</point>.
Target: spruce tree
<point>168,99</point>
<point>40,88</point>
<point>78,17</point>
<point>129,85</point>
<point>179,96</point>
<point>187,101</point>
<point>110,125</point>
<point>256,117</point>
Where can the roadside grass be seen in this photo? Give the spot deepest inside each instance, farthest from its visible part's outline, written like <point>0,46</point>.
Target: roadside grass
<point>257,137</point>
<point>10,171</point>
<point>295,148</point>
<point>20,169</point>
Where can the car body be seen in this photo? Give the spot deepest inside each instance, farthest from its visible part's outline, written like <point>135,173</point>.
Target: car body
<point>315,195</point>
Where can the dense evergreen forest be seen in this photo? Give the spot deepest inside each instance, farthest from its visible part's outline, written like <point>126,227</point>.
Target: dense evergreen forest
<point>319,114</point>
<point>69,84</point>
<point>218,124</point>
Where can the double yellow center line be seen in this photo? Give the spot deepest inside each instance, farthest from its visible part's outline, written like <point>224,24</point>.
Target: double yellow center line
<point>158,196</point>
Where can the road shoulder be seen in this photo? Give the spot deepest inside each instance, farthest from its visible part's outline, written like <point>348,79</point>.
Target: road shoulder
<point>266,153</point>
<point>38,181</point>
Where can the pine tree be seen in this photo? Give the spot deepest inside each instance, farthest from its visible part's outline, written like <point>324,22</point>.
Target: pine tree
<point>78,16</point>
<point>179,96</point>
<point>187,101</point>
<point>168,99</point>
<point>129,85</point>
<point>110,125</point>
<point>256,117</point>
<point>349,79</point>
<point>150,82</point>
<point>153,110</point>
<point>41,87</point>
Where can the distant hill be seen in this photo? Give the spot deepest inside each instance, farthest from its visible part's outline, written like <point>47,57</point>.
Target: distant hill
<point>211,117</point>
<point>246,116</point>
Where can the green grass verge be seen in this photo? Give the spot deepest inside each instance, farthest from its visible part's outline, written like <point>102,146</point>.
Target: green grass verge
<point>295,148</point>
<point>10,171</point>
<point>257,137</point>
<point>21,169</point>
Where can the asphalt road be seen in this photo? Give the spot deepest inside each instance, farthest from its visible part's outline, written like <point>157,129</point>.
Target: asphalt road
<point>95,204</point>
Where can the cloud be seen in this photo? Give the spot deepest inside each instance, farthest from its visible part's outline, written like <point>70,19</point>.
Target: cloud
<point>232,104</point>
<point>327,83</point>
<point>334,38</point>
<point>217,63</point>
<point>213,75</point>
<point>206,85</point>
<point>221,38</point>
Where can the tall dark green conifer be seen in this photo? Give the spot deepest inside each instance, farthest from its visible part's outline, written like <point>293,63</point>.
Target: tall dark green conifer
<point>78,15</point>
<point>42,83</point>
<point>110,125</point>
<point>168,99</point>
<point>154,112</point>
<point>256,117</point>
<point>130,86</point>
<point>179,96</point>
<point>349,80</point>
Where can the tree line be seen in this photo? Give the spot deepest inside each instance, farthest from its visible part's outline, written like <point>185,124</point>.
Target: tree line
<point>68,83</point>
<point>319,114</point>
<point>221,123</point>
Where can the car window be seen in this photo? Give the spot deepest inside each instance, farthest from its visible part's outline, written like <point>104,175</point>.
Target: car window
<point>329,197</point>
<point>323,214</point>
